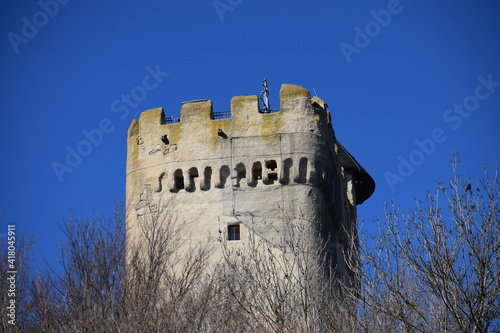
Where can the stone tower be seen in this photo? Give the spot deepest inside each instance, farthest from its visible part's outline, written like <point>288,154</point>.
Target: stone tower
<point>242,170</point>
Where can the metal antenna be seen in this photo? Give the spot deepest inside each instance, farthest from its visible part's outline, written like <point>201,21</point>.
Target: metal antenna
<point>264,97</point>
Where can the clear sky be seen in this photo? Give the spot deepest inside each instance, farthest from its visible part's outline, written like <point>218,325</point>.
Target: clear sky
<point>407,82</point>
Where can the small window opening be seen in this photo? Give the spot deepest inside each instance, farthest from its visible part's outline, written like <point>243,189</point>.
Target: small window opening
<point>240,173</point>
<point>287,165</point>
<point>224,172</point>
<point>159,188</point>
<point>193,173</point>
<point>319,174</point>
<point>302,170</point>
<point>256,173</point>
<point>271,176</point>
<point>271,164</point>
<point>233,232</point>
<point>178,179</point>
<point>207,178</point>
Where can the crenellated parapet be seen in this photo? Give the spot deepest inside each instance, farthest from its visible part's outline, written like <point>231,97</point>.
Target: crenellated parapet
<point>201,132</point>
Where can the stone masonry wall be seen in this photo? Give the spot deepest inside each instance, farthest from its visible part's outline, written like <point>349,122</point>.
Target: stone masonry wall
<point>252,169</point>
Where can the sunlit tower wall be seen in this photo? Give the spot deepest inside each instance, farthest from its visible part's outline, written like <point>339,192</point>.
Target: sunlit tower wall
<point>223,174</point>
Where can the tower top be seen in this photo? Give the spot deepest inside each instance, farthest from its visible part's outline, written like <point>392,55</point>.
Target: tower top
<point>201,134</point>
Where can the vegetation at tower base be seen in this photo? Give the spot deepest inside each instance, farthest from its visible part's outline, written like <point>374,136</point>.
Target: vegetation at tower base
<point>290,286</point>
<point>436,268</point>
<point>432,269</point>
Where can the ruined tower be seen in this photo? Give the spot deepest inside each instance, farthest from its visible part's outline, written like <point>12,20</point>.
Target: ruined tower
<point>231,172</point>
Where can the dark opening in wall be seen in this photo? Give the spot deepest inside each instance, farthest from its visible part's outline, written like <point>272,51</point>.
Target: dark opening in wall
<point>193,173</point>
<point>302,171</point>
<point>207,178</point>
<point>256,173</point>
<point>320,175</point>
<point>271,176</point>
<point>233,232</point>
<point>271,164</point>
<point>159,188</point>
<point>287,165</point>
<point>241,173</point>
<point>224,173</point>
<point>178,180</point>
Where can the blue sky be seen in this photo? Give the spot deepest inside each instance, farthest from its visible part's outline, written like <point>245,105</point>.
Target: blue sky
<point>405,81</point>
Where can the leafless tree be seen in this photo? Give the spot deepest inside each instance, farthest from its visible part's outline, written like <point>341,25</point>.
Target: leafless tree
<point>166,287</point>
<point>47,309</point>
<point>288,286</point>
<point>86,293</point>
<point>152,282</point>
<point>436,267</point>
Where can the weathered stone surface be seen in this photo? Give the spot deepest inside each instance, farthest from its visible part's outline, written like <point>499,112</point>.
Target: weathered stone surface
<point>252,169</point>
